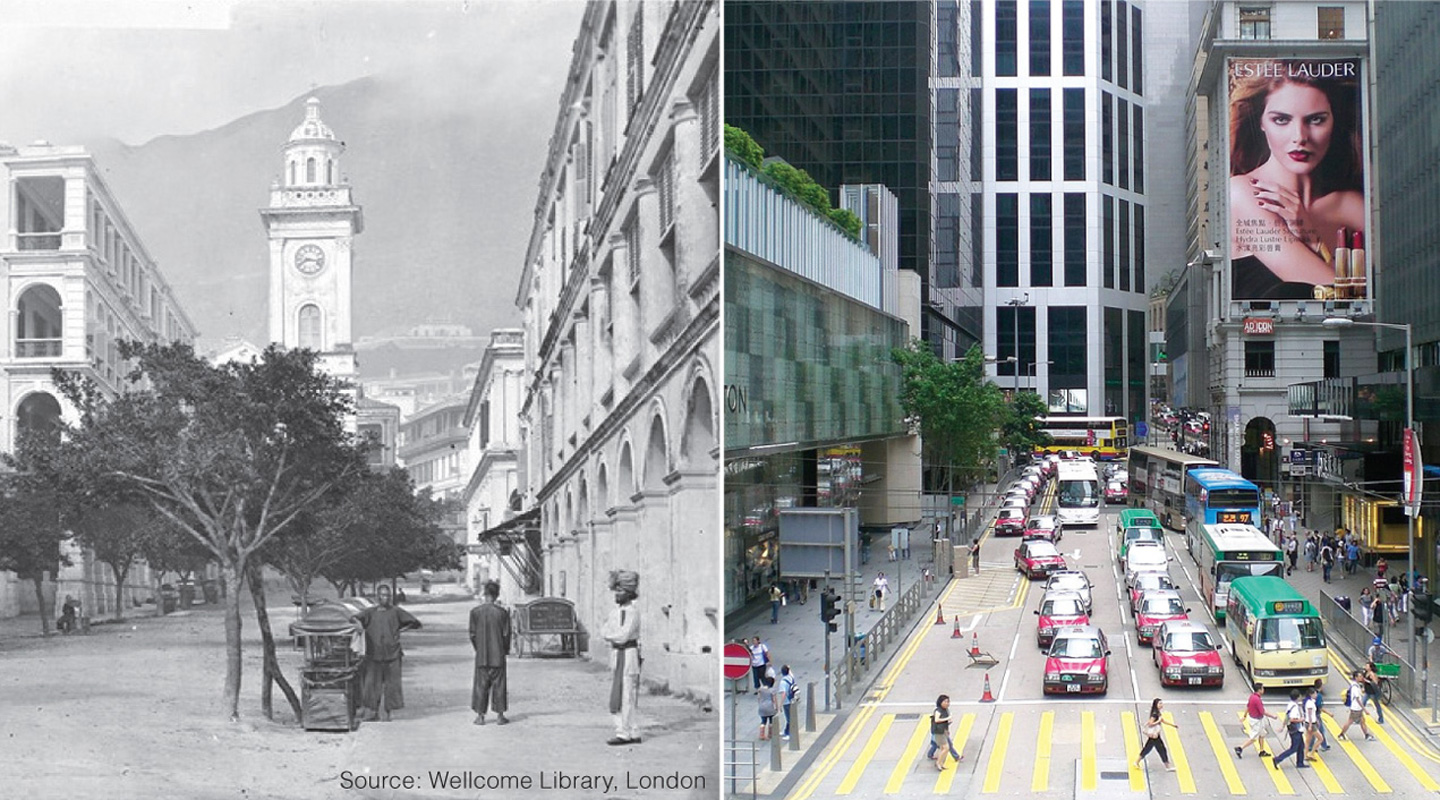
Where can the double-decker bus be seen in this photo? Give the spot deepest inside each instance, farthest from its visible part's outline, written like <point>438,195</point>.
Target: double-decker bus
<point>1101,438</point>
<point>1215,496</point>
<point>1157,481</point>
<point>1077,493</point>
<point>1276,635</point>
<point>1227,552</point>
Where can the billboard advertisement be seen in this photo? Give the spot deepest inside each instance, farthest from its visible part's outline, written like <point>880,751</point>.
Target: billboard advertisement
<point>1297,179</point>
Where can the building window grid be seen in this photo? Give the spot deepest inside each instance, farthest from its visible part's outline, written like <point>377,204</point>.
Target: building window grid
<point>1254,22</point>
<point>1139,248</point>
<point>1124,245</point>
<point>1122,39</point>
<point>635,60</point>
<point>1007,135</point>
<point>1106,39</point>
<point>1107,238</point>
<point>1107,138</point>
<point>1007,239</point>
<point>710,118</point>
<point>1259,359</point>
<point>1072,37</point>
<point>632,253</point>
<point>1040,38</point>
<point>1137,61</point>
<point>1330,359</point>
<point>1074,131</point>
<point>1075,239</point>
<point>665,182</point>
<point>1122,139</point>
<point>1042,249</point>
<point>1040,144</point>
<point>1331,22</point>
<point>1006,36</point>
<point>1138,131</point>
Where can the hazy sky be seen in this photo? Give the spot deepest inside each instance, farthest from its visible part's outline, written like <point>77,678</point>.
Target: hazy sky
<point>136,69</point>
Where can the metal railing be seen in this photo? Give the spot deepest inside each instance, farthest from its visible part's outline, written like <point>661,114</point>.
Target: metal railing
<point>1341,624</point>
<point>889,630</point>
<point>742,765</point>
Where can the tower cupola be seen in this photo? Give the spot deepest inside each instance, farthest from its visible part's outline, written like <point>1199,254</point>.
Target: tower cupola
<point>312,155</point>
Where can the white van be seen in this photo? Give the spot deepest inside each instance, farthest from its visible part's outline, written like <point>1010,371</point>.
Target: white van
<point>1144,556</point>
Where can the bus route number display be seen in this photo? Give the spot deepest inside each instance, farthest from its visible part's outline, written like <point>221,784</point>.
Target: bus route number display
<point>1287,607</point>
<point>1233,517</point>
<point>1245,555</point>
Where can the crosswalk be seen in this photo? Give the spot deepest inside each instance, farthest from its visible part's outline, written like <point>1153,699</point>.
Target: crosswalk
<point>1072,750</point>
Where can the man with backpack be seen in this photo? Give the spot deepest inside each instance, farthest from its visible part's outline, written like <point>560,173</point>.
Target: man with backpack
<point>1355,701</point>
<point>1295,728</point>
<point>788,691</point>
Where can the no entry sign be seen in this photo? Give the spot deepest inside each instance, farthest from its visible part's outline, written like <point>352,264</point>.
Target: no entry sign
<point>737,661</point>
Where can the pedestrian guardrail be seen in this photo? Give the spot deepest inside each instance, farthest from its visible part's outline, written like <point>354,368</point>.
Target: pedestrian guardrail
<point>871,644</point>
<point>1341,624</point>
<point>742,766</point>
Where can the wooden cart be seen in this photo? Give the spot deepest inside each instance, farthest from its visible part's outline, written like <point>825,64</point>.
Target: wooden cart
<point>329,680</point>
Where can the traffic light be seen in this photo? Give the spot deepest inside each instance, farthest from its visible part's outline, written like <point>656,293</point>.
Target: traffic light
<point>830,609</point>
<point>1421,604</point>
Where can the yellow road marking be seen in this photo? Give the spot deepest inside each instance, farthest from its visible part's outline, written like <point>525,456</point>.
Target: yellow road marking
<point>1282,783</point>
<point>1040,779</point>
<point>993,773</point>
<point>858,768</point>
<point>808,786</point>
<point>1222,754</point>
<point>1178,757</point>
<point>942,783</point>
<point>907,759</point>
<point>1089,774</point>
<point>1322,771</point>
<point>1132,751</point>
<point>1376,782</point>
<point>1420,774</point>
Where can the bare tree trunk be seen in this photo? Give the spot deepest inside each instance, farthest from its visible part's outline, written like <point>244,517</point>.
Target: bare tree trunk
<point>234,580</point>
<point>120,575</point>
<point>271,673</point>
<point>39,580</point>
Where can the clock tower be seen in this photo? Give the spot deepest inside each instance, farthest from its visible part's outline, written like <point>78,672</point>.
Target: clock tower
<point>312,221</point>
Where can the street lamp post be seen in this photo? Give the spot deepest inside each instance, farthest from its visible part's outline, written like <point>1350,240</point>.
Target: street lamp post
<point>1345,322</point>
<point>1015,303</point>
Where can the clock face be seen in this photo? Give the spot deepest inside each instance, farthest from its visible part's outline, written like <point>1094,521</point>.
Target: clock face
<point>309,259</point>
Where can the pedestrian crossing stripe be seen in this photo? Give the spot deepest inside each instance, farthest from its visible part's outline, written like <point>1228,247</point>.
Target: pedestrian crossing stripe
<point>1322,771</point>
<point>907,760</point>
<point>1222,753</point>
<point>1376,782</point>
<point>997,754</point>
<point>1040,780</point>
<point>1177,756</point>
<point>858,768</point>
<point>1132,751</point>
<point>1410,764</point>
<point>942,783</point>
<point>1277,776</point>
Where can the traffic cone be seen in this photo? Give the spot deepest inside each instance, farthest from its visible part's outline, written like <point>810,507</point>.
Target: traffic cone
<point>956,634</point>
<point>939,615</point>
<point>975,644</point>
<point>987,697</point>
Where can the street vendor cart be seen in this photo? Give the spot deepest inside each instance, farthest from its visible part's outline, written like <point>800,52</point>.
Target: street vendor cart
<point>334,646</point>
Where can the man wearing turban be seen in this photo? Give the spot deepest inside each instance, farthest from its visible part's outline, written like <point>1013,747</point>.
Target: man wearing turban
<point>622,631</point>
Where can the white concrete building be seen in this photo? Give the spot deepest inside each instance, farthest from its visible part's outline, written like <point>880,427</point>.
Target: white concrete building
<point>492,492</point>
<point>621,296</point>
<point>78,280</point>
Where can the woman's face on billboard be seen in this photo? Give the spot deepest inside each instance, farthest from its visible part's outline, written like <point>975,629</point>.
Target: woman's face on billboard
<point>1298,123</point>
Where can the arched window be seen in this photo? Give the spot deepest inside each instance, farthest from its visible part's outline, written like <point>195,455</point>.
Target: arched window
<point>310,170</point>
<point>309,333</point>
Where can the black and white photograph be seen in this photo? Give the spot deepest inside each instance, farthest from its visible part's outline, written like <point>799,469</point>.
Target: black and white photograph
<point>361,421</point>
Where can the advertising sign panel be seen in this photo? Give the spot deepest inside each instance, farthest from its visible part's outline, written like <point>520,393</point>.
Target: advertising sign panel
<point>1297,179</point>
<point>1413,474</point>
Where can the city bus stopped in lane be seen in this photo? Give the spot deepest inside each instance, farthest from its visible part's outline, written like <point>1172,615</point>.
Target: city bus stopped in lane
<point>1277,638</point>
<point>1226,552</point>
<point>1217,496</point>
<point>1077,493</point>
<point>1157,481</point>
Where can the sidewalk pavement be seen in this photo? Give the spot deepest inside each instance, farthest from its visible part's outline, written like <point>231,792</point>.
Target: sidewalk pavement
<point>1311,584</point>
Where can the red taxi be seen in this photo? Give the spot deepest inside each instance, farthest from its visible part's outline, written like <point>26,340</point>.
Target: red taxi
<point>1157,607</point>
<point>1058,610</point>
<point>1147,581</point>
<point>1187,656</point>
<point>1115,492</point>
<point>1010,522</point>
<point>1037,558</point>
<point>1078,662</point>
<point>1044,526</point>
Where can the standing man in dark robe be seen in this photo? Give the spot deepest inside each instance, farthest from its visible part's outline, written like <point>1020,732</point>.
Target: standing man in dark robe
<point>490,636</point>
<point>383,624</point>
<point>622,631</point>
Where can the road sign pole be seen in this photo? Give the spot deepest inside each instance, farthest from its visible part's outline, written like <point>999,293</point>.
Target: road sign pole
<point>734,740</point>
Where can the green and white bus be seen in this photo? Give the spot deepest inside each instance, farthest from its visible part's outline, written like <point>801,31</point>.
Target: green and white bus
<point>1227,552</point>
<point>1276,635</point>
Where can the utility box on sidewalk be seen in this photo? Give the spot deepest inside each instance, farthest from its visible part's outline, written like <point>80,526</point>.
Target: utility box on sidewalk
<point>960,558</point>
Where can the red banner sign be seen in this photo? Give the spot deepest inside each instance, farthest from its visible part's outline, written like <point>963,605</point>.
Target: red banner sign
<point>1261,326</point>
<point>1412,474</point>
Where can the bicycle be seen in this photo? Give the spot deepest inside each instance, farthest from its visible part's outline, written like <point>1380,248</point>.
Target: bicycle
<point>1387,667</point>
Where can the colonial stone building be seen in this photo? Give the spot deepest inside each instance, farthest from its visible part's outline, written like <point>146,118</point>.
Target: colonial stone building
<point>620,298</point>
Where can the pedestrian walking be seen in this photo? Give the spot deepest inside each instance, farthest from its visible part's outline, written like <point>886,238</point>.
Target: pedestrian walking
<point>759,659</point>
<point>1150,731</point>
<point>622,631</point>
<point>1372,691</point>
<point>882,588</point>
<point>1257,724</point>
<point>1314,731</point>
<point>765,704</point>
<point>383,657</point>
<point>1367,606</point>
<point>1327,559</point>
<point>1312,551</point>
<point>1380,567</point>
<point>788,690</point>
<point>1295,728</point>
<point>940,741</point>
<point>1355,701</point>
<point>490,638</point>
<point>1352,556</point>
<point>777,599</point>
<point>1292,553</point>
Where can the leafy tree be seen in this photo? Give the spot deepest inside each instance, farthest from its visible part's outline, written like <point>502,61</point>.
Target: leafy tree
<point>31,531</point>
<point>846,219</point>
<point>1021,431</point>
<point>117,533</point>
<point>742,146</point>
<point>230,454</point>
<point>390,530</point>
<point>956,410</point>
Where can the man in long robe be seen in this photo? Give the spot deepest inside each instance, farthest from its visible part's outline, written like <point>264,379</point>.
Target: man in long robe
<point>381,677</point>
<point>490,636</point>
<point>622,631</point>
